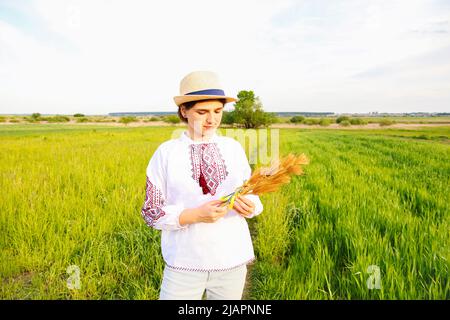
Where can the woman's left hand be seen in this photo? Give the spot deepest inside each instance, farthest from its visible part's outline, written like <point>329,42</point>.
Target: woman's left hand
<point>244,206</point>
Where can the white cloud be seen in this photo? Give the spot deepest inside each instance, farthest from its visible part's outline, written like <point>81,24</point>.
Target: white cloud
<point>295,55</point>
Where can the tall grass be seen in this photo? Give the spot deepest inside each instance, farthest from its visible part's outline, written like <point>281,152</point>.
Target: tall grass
<point>366,200</point>
<point>74,198</point>
<point>71,195</point>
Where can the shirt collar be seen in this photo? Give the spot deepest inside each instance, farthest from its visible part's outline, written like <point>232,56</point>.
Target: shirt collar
<point>185,138</point>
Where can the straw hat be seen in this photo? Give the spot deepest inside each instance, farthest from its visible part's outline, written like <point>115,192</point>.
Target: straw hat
<point>201,85</point>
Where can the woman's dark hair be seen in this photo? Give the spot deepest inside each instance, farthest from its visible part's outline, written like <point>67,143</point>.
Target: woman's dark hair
<point>190,104</point>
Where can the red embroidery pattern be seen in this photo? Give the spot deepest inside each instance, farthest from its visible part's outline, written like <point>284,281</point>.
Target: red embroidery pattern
<point>151,210</point>
<point>208,166</point>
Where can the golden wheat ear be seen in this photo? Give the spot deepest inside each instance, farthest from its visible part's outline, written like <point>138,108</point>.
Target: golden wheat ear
<point>266,180</point>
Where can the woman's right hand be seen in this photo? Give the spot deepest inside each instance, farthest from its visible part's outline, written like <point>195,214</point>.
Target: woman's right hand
<point>211,211</point>
<point>208,212</point>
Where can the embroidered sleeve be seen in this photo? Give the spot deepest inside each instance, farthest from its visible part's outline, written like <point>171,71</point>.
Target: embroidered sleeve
<point>157,213</point>
<point>246,174</point>
<point>152,211</point>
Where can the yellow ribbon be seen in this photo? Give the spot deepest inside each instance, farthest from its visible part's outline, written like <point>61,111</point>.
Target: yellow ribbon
<point>232,197</point>
<point>230,206</point>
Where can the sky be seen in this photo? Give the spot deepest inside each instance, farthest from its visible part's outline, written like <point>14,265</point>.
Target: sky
<point>346,56</point>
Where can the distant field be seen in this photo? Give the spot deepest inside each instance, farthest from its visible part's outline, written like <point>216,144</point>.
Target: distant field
<point>370,200</point>
<point>441,120</point>
<point>151,120</point>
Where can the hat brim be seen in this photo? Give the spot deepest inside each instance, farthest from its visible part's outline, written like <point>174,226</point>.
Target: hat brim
<point>179,100</point>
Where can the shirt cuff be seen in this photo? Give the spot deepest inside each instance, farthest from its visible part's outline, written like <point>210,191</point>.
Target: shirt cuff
<point>258,205</point>
<point>172,218</point>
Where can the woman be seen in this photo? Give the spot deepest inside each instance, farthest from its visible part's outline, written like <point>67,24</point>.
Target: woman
<point>205,246</point>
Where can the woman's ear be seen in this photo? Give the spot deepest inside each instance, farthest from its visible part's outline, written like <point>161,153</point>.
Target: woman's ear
<point>183,111</point>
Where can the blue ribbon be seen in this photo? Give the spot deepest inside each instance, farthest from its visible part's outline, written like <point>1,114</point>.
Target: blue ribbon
<point>209,92</point>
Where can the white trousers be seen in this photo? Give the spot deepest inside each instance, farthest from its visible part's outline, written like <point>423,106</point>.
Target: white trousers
<point>191,285</point>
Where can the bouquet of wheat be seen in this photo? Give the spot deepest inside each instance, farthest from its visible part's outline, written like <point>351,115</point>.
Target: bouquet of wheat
<point>265,180</point>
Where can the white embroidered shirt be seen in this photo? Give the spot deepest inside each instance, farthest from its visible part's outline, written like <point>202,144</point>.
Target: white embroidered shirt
<point>184,173</point>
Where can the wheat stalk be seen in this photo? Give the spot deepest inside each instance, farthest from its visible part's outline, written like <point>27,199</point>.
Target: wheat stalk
<point>265,180</point>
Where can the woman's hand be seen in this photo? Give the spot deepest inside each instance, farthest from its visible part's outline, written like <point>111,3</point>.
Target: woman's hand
<point>208,212</point>
<point>211,211</point>
<point>244,206</point>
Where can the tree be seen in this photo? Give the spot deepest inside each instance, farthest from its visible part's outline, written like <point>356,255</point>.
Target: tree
<point>228,117</point>
<point>36,116</point>
<point>249,111</point>
<point>297,119</point>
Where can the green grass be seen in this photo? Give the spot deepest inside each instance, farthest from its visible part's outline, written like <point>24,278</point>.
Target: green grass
<point>71,195</point>
<point>366,199</point>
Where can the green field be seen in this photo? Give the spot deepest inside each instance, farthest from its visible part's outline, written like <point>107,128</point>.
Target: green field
<point>71,195</point>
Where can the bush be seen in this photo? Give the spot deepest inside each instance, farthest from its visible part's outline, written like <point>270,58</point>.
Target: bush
<point>265,118</point>
<point>279,119</point>
<point>386,122</point>
<point>358,121</point>
<point>311,121</point>
<point>324,122</point>
<point>2,119</point>
<point>342,118</point>
<point>297,119</point>
<point>173,119</point>
<point>57,119</point>
<point>30,119</point>
<point>84,119</point>
<point>14,120</point>
<point>345,123</point>
<point>102,120</point>
<point>78,115</point>
<point>127,120</point>
<point>152,119</point>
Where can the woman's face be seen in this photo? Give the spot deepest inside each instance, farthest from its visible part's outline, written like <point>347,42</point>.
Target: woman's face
<point>204,117</point>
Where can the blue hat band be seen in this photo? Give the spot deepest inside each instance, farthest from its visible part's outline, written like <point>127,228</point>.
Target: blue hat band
<point>208,92</point>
